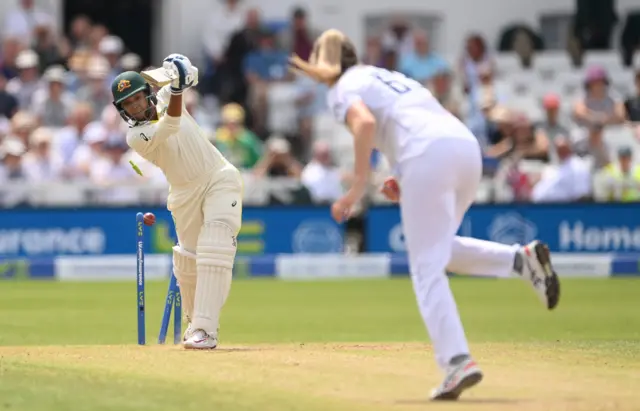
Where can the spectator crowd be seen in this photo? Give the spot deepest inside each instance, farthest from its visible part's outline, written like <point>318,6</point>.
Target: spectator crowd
<point>57,122</point>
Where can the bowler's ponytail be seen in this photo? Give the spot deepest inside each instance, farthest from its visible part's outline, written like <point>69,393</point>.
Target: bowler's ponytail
<point>327,62</point>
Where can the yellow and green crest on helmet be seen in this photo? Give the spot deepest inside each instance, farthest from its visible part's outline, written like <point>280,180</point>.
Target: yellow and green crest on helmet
<point>126,85</point>
<point>123,85</point>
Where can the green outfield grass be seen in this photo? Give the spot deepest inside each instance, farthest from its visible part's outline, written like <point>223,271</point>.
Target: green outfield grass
<point>339,345</point>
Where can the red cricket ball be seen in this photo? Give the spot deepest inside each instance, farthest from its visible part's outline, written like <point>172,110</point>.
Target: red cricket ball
<point>149,219</point>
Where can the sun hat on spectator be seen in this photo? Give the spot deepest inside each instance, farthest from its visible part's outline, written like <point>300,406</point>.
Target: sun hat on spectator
<point>78,61</point>
<point>232,113</point>
<point>130,61</point>
<point>97,68</point>
<point>111,45</point>
<point>551,101</point>
<point>23,120</point>
<point>12,146</point>
<point>55,74</point>
<point>596,73</point>
<point>27,59</point>
<point>41,135</point>
<point>500,114</point>
<point>278,144</point>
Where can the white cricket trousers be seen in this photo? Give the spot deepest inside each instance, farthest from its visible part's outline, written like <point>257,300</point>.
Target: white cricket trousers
<point>437,188</point>
<point>209,201</point>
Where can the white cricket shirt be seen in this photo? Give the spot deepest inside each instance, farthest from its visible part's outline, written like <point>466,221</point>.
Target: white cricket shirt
<point>176,145</point>
<point>408,117</point>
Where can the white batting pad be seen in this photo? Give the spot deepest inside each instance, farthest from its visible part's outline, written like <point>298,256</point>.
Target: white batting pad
<point>215,255</point>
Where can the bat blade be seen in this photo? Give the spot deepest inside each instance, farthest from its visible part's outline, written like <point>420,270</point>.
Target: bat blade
<point>159,77</point>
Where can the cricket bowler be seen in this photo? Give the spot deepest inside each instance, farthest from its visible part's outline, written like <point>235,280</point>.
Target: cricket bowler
<point>205,194</point>
<point>438,166</point>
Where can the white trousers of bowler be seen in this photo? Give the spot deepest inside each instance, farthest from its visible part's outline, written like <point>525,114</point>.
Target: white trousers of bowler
<point>437,189</point>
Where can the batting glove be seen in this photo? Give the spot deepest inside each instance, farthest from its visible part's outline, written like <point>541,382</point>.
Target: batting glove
<point>183,72</point>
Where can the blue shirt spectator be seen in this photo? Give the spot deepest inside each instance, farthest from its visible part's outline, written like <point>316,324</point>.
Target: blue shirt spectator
<point>422,64</point>
<point>482,98</point>
<point>267,63</point>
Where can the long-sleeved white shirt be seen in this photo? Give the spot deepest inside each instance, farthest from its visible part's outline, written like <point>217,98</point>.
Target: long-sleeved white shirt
<point>324,183</point>
<point>176,145</point>
<point>569,182</point>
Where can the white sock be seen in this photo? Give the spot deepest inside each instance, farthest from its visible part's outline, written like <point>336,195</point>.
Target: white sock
<point>187,284</point>
<point>184,268</point>
<point>478,257</point>
<point>212,290</point>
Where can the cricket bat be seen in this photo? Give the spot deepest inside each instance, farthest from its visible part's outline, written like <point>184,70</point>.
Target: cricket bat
<point>160,77</point>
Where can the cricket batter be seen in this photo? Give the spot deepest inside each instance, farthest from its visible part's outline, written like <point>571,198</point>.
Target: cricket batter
<point>205,196</point>
<point>438,163</point>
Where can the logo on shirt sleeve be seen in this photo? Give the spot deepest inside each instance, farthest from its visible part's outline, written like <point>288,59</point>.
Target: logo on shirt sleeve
<point>144,137</point>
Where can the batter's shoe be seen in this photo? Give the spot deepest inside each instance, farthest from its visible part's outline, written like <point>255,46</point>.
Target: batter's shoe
<point>200,340</point>
<point>533,264</point>
<point>460,377</point>
<point>187,333</point>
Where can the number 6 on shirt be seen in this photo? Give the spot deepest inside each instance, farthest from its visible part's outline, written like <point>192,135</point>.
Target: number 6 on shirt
<point>395,85</point>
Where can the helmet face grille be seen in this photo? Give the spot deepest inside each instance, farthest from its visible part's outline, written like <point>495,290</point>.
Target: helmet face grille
<point>152,101</point>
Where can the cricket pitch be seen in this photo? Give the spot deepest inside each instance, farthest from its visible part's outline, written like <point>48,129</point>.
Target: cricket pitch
<point>359,352</point>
